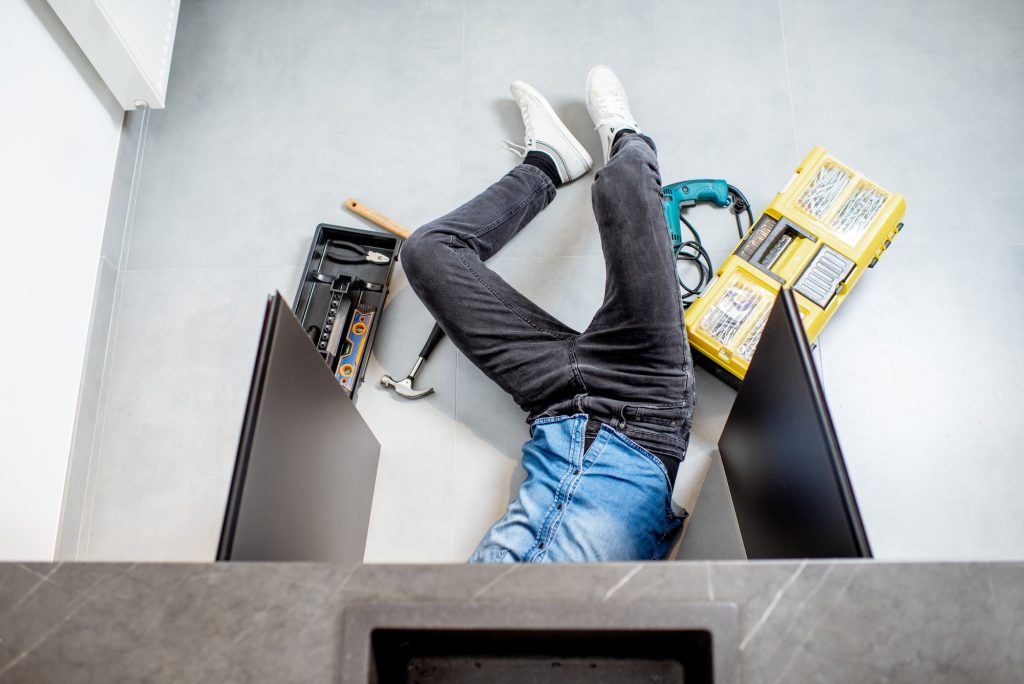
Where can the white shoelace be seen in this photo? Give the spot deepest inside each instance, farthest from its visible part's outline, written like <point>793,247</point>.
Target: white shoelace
<point>615,109</point>
<point>518,150</point>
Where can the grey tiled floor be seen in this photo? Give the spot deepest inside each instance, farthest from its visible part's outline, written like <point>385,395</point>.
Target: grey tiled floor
<point>278,111</point>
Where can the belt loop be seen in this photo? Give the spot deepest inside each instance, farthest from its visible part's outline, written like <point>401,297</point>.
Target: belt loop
<point>578,400</point>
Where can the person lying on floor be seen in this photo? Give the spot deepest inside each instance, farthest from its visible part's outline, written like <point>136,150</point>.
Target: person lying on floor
<point>609,408</point>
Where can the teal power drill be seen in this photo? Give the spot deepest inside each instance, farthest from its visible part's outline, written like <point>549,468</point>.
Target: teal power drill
<point>678,196</point>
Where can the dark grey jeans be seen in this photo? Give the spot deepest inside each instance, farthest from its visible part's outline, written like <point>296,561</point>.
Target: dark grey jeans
<point>631,367</point>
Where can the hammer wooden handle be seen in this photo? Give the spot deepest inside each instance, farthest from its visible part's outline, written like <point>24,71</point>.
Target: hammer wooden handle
<point>379,219</point>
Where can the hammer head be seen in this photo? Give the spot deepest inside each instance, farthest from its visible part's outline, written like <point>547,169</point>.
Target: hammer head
<point>404,387</point>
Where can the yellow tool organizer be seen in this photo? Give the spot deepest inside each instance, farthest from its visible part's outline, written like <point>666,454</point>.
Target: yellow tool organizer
<point>820,233</point>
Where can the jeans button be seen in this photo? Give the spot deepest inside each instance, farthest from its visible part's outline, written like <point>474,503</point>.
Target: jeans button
<point>541,545</point>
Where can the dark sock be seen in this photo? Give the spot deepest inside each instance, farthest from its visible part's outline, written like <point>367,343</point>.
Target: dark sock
<point>545,164</point>
<point>619,133</point>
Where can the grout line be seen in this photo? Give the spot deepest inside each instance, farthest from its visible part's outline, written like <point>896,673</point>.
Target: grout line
<point>455,452</point>
<point>789,85</point>
<point>462,93</point>
<point>455,378</point>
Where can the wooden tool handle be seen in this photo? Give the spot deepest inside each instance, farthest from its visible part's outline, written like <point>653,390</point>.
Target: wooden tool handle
<point>379,219</point>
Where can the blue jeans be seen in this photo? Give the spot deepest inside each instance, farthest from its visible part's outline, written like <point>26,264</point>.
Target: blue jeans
<point>610,407</point>
<point>607,503</point>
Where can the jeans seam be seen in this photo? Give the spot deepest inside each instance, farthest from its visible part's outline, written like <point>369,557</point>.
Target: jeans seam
<point>506,216</point>
<point>666,407</point>
<point>546,532</point>
<point>661,540</point>
<point>503,552</point>
<point>574,485</point>
<point>657,546</point>
<point>645,453</point>
<point>652,420</point>
<point>544,420</point>
<point>523,317</point>
<point>545,181</point>
<point>576,366</point>
<point>669,525</point>
<point>644,431</point>
<point>624,140</point>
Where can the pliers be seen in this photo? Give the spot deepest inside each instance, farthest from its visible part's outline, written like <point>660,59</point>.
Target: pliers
<point>359,253</point>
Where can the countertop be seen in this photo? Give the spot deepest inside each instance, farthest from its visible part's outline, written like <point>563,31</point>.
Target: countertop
<point>830,621</point>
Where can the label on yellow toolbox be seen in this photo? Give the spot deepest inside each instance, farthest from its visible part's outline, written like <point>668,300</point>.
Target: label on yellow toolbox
<point>823,276</point>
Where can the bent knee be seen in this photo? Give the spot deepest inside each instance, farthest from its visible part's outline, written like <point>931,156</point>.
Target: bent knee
<point>422,252</point>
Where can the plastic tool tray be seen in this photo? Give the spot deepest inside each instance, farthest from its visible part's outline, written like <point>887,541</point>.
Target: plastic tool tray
<point>340,303</point>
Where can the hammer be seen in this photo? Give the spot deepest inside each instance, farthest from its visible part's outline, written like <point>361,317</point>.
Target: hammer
<point>404,387</point>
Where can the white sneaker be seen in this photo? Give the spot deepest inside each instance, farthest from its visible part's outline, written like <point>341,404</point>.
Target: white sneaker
<point>546,133</point>
<point>608,106</point>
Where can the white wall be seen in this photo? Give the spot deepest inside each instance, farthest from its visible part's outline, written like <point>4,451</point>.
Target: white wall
<point>59,131</point>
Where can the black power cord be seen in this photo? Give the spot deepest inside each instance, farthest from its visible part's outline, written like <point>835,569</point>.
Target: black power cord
<point>693,251</point>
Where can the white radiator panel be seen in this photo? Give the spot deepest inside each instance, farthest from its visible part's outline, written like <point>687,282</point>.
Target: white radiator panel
<point>129,42</point>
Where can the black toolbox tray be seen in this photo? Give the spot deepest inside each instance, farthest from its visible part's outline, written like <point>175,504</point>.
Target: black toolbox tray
<point>313,301</point>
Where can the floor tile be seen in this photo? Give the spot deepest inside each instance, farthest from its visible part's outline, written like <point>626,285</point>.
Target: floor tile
<point>412,513</point>
<point>182,361</point>
<point>277,112</point>
<point>918,98</point>
<point>697,111</point>
<point>924,381</point>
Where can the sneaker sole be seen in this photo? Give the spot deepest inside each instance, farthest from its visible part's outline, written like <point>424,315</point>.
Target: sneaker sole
<point>567,135</point>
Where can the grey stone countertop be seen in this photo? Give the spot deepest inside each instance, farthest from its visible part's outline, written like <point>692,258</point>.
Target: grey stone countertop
<point>843,621</point>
